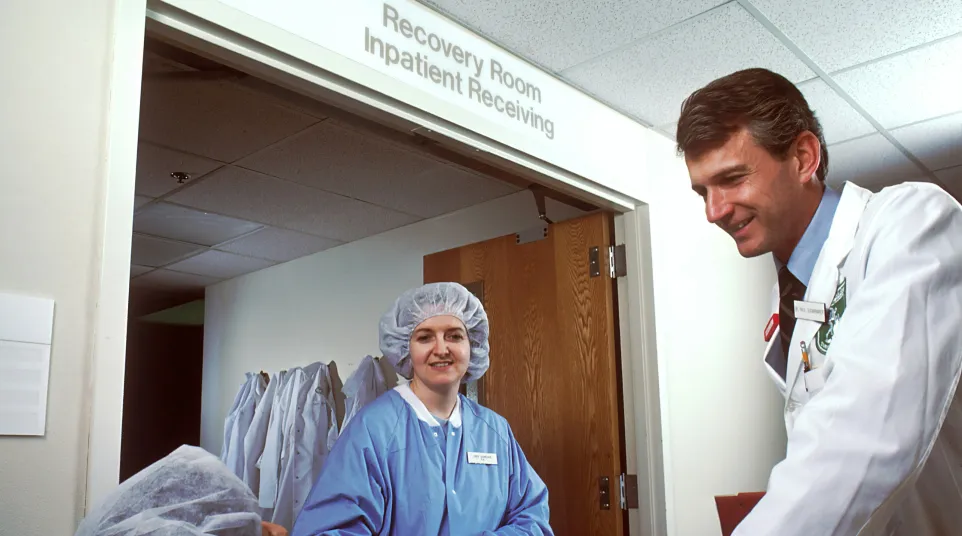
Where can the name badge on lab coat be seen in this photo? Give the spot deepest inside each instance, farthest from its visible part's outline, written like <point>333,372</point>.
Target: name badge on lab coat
<point>483,458</point>
<point>810,311</point>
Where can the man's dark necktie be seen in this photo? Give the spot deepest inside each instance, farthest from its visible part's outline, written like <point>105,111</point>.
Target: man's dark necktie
<point>789,290</point>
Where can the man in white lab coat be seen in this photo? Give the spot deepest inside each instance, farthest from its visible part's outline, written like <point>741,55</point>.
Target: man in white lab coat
<point>865,340</point>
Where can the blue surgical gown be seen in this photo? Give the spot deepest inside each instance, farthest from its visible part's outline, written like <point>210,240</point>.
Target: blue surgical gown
<point>392,473</point>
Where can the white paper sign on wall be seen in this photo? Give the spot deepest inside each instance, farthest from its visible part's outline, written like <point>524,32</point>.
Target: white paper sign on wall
<point>26,333</point>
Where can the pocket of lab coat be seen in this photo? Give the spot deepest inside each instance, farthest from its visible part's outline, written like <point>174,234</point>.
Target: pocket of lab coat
<point>815,380</point>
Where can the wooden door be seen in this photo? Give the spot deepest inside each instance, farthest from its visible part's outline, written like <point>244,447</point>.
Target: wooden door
<point>554,365</point>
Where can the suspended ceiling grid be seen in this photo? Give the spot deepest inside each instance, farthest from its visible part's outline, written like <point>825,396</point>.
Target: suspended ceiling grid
<point>883,76</point>
<point>270,180</point>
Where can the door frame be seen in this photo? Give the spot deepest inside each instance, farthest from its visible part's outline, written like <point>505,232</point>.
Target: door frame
<point>105,377</point>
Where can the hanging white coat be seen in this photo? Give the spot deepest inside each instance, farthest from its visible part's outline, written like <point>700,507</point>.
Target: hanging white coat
<point>308,429</point>
<point>875,428</point>
<point>257,435</point>
<point>366,384</point>
<point>238,422</point>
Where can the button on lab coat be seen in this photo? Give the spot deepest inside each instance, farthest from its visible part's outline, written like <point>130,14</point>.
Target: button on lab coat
<point>875,429</point>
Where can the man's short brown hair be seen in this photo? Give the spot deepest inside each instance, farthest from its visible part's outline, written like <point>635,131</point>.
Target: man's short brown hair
<point>768,104</point>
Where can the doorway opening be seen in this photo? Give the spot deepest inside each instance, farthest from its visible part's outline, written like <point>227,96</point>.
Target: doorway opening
<point>271,230</point>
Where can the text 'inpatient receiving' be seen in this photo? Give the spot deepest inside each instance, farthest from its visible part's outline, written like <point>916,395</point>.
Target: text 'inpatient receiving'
<point>478,71</point>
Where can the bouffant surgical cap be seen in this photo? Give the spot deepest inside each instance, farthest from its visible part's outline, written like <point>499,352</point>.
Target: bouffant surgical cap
<point>188,493</point>
<point>419,304</point>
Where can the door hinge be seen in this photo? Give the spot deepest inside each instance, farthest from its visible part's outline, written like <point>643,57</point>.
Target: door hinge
<point>617,261</point>
<point>604,493</point>
<point>629,491</point>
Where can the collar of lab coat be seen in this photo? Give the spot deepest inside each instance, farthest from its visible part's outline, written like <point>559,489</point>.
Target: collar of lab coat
<point>421,410</point>
<point>824,279</point>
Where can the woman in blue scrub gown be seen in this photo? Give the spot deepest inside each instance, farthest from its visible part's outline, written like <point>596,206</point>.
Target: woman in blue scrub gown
<point>421,459</point>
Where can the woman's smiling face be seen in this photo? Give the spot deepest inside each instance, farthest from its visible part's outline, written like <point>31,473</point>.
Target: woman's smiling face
<point>440,352</point>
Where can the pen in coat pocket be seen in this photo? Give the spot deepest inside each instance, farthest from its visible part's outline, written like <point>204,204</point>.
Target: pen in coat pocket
<point>807,363</point>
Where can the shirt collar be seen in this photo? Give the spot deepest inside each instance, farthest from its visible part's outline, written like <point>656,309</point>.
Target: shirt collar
<point>802,262</point>
<point>421,410</point>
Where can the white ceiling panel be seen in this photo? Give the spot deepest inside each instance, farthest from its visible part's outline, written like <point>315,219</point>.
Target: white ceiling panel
<point>214,119</point>
<point>559,33</point>
<point>168,279</point>
<point>838,35</point>
<point>150,251</point>
<point>670,130</point>
<point>257,197</point>
<point>279,245</point>
<point>651,78</point>
<point>220,264</point>
<point>155,164</point>
<point>339,159</point>
<point>189,225</point>
<point>839,120</point>
<point>136,270</point>
<point>952,179</point>
<point>937,142</point>
<point>870,162</point>
<point>141,200</point>
<point>920,84</point>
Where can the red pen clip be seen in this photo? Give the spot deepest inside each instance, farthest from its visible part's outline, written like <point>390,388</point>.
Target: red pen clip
<point>770,327</point>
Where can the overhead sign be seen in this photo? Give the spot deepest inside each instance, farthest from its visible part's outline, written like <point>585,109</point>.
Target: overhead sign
<point>506,98</point>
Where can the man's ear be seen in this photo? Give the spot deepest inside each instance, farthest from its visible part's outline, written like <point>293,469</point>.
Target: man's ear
<point>808,154</point>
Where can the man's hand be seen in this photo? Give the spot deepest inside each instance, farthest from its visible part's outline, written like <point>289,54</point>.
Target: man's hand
<point>270,529</point>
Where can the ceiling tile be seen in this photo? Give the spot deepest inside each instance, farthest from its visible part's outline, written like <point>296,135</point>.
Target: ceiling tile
<point>279,244</point>
<point>189,225</point>
<point>136,270</point>
<point>559,34</point>
<point>141,200</point>
<point>838,35</point>
<point>651,78</point>
<point>220,264</point>
<point>839,120</point>
<point>214,119</point>
<point>952,179</point>
<point>937,142</point>
<point>911,87</point>
<point>342,160</point>
<point>671,129</point>
<point>257,197</point>
<point>170,280</point>
<point>150,251</point>
<point>870,162</point>
<point>155,164</point>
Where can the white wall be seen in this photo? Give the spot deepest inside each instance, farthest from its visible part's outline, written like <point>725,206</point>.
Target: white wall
<point>722,428</point>
<point>55,140</point>
<point>326,306</point>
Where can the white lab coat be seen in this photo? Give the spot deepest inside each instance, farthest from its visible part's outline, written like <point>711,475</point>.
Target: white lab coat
<point>308,434</point>
<point>270,463</point>
<point>366,384</point>
<point>875,430</point>
<point>256,435</point>
<point>238,422</point>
